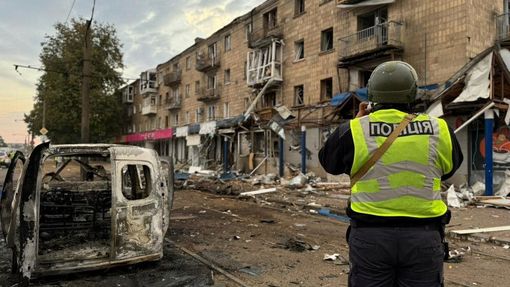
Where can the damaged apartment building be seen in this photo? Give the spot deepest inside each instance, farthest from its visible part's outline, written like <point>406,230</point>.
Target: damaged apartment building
<point>264,92</point>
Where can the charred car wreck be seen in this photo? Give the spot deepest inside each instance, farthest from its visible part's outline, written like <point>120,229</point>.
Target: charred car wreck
<point>72,208</point>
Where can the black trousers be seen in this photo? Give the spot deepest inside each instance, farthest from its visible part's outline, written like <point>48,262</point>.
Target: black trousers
<point>395,256</point>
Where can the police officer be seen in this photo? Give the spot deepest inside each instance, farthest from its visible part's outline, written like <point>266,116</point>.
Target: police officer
<point>396,211</point>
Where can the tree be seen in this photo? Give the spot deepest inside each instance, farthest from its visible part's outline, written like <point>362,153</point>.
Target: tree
<point>59,86</point>
<point>2,142</point>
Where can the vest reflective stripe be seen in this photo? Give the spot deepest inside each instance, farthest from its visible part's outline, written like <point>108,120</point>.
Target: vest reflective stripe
<point>409,171</point>
<point>387,193</point>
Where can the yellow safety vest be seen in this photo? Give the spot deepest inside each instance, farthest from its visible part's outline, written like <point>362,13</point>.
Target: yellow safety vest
<point>406,181</point>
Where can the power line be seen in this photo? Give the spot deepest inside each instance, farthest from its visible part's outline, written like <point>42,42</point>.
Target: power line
<point>69,13</point>
<point>41,69</point>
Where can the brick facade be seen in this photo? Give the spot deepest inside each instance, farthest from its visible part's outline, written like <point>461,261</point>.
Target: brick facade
<point>437,37</point>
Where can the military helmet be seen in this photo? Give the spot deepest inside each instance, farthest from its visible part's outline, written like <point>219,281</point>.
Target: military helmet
<point>393,82</point>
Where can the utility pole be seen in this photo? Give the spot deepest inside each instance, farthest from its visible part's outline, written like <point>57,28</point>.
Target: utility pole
<point>85,86</point>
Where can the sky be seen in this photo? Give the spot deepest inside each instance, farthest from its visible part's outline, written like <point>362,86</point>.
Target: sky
<point>151,32</point>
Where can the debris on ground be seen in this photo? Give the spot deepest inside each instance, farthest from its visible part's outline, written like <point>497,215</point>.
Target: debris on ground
<point>457,255</point>
<point>452,198</point>
<point>268,221</point>
<point>260,191</point>
<point>336,257</point>
<point>481,230</point>
<point>298,181</point>
<point>296,245</point>
<point>251,270</point>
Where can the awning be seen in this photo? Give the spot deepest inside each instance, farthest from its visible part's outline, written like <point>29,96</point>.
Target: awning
<point>181,132</point>
<point>340,98</point>
<point>228,123</point>
<point>193,129</point>
<point>477,82</point>
<point>147,136</point>
<point>193,140</point>
<point>362,94</point>
<point>207,128</point>
<point>357,3</point>
<point>435,110</point>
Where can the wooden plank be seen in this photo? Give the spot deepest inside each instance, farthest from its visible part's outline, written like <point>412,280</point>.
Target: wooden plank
<point>209,264</point>
<point>481,230</point>
<point>260,191</point>
<point>497,202</point>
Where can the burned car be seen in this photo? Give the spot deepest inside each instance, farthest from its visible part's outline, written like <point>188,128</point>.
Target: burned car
<point>72,208</point>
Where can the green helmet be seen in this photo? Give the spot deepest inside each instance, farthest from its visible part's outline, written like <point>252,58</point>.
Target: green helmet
<point>393,82</point>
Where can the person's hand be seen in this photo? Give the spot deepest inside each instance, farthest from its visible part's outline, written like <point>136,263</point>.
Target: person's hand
<point>363,110</point>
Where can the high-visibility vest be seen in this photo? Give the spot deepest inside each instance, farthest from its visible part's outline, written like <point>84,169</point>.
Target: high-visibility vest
<point>406,180</point>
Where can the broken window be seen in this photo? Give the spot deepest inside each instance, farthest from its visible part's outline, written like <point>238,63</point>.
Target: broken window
<point>245,70</point>
<point>136,181</point>
<point>212,51</point>
<point>269,100</point>
<point>188,63</point>
<point>197,115</point>
<point>211,81</point>
<point>327,40</point>
<point>75,207</point>
<point>197,87</point>
<point>270,19</point>
<point>299,95</point>
<point>299,50</point>
<point>368,23</point>
<point>228,42</point>
<point>248,29</point>
<point>211,112</point>
<point>299,7</point>
<point>326,89</point>
<point>186,91</point>
<point>226,110</point>
<point>364,76</point>
<point>176,119</point>
<point>226,76</point>
<point>259,142</point>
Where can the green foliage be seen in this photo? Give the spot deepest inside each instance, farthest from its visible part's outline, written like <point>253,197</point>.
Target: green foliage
<point>59,86</point>
<point>2,142</point>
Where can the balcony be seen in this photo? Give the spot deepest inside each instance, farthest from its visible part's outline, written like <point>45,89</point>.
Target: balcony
<point>173,103</point>
<point>149,106</point>
<point>265,63</point>
<point>148,84</point>
<point>263,37</point>
<point>209,94</point>
<point>207,63</point>
<point>128,94</point>
<point>149,110</point>
<point>375,41</point>
<point>503,27</point>
<point>173,78</point>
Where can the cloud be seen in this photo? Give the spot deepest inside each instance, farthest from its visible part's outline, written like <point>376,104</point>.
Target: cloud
<point>151,33</point>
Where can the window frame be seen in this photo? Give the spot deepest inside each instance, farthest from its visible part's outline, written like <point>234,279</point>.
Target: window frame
<point>298,103</point>
<point>228,42</point>
<point>299,50</point>
<point>326,45</point>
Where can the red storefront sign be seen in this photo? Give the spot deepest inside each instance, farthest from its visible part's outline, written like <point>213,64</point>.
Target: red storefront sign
<point>147,136</point>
